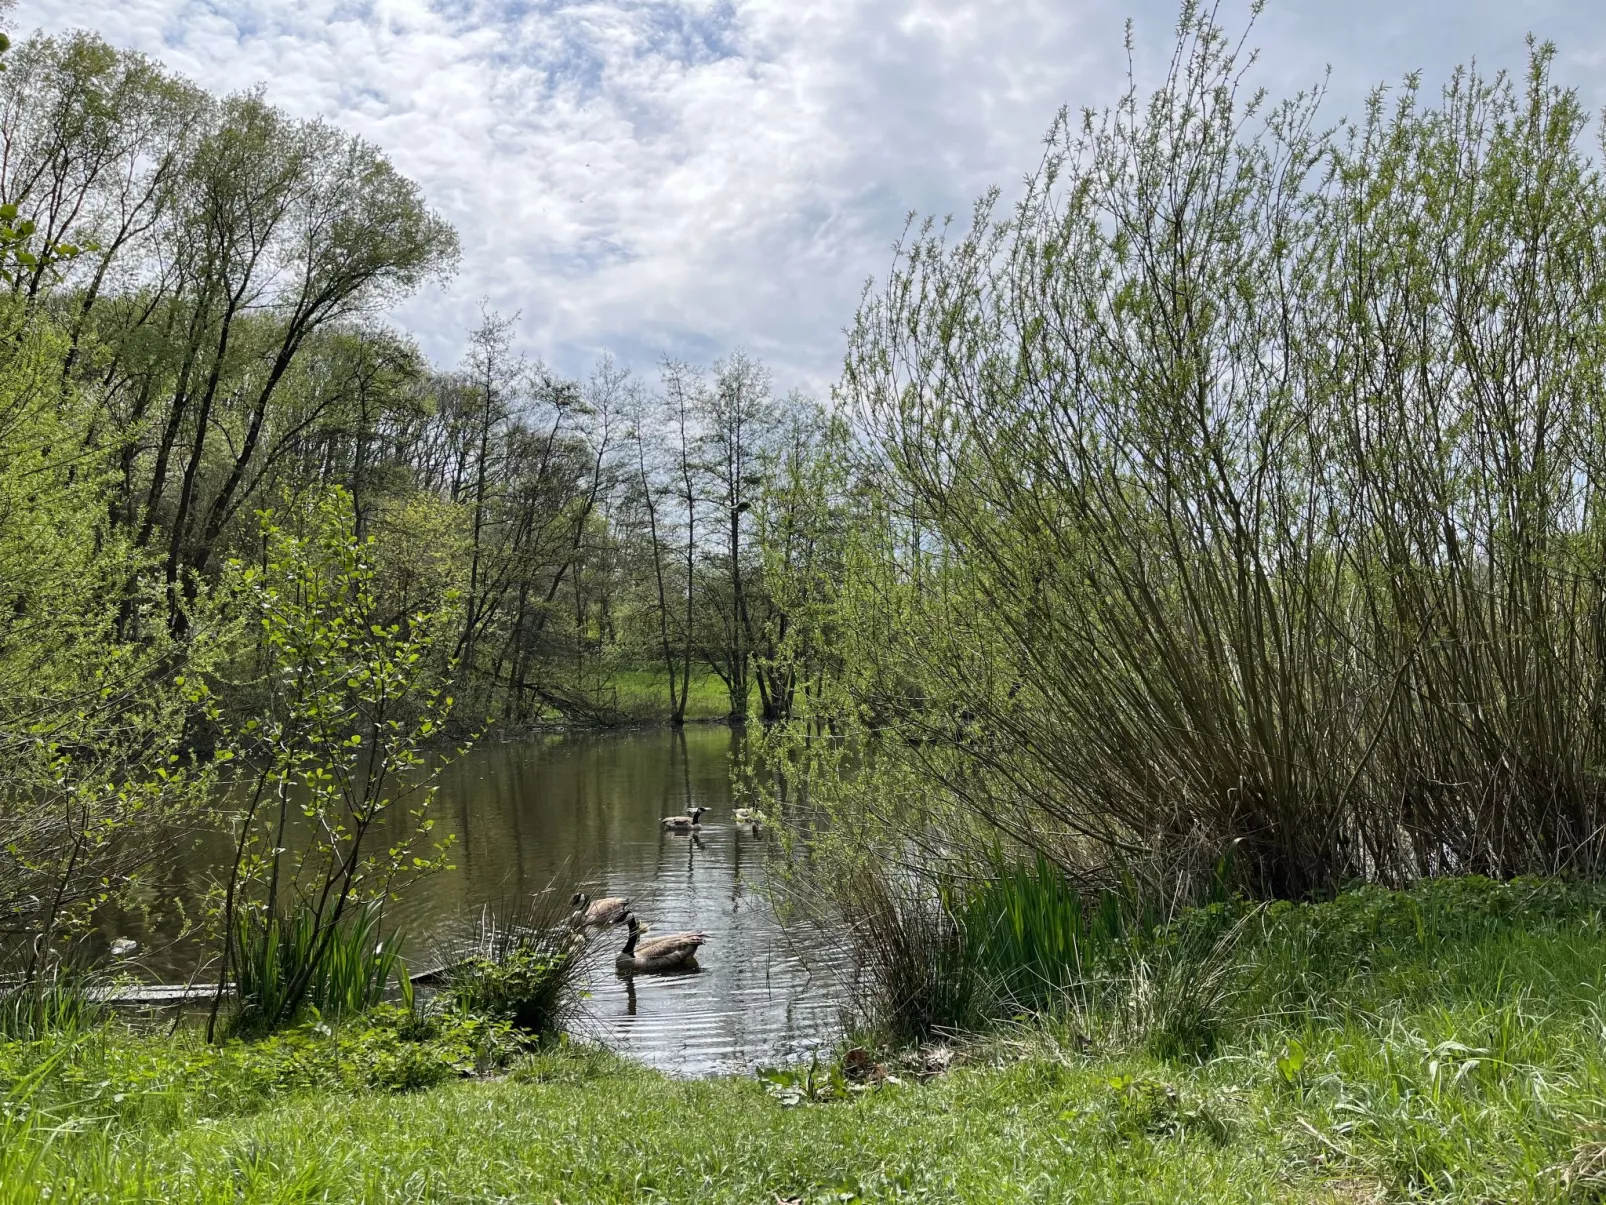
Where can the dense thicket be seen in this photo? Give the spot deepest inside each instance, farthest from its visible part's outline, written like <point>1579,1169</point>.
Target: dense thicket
<point>1240,498</point>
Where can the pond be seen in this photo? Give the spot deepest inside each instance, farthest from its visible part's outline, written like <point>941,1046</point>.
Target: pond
<point>583,813</point>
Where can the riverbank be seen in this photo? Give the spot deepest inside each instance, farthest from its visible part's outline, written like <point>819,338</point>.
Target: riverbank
<point>1443,1044</point>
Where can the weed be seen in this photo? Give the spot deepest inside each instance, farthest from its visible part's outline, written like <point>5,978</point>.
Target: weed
<point>1139,1107</point>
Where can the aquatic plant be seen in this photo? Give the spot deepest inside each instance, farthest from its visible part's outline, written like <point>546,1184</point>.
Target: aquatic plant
<point>286,964</point>
<point>522,965</point>
<point>60,1002</point>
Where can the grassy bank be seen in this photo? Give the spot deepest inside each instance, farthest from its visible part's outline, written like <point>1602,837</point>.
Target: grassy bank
<point>1444,1044</point>
<point>644,694</point>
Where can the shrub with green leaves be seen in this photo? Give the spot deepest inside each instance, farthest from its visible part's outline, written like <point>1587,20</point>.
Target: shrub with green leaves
<point>1238,488</point>
<point>530,987</point>
<point>342,748</point>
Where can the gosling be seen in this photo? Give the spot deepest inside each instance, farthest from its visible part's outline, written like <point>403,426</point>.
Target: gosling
<point>686,824</point>
<point>676,952</point>
<point>597,914</point>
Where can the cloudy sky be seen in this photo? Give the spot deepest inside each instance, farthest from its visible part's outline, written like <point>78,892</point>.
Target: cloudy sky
<point>691,176</point>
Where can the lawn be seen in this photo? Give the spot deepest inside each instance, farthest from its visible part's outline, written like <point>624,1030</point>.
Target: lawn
<point>644,693</point>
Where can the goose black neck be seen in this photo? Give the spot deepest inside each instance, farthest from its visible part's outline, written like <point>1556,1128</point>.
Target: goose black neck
<point>630,942</point>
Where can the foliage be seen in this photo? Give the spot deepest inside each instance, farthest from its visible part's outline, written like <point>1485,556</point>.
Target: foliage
<point>1033,937</point>
<point>916,970</point>
<point>346,969</point>
<point>217,272</point>
<point>1236,492</point>
<point>529,988</point>
<point>96,729</point>
<point>523,966</point>
<point>351,706</point>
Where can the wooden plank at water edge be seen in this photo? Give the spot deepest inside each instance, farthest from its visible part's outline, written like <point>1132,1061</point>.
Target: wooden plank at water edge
<point>157,993</point>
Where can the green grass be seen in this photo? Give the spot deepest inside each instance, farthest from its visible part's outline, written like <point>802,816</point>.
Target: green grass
<point>644,693</point>
<point>586,1128</point>
<point>1448,1044</point>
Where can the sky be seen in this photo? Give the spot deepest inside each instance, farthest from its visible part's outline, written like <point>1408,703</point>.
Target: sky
<point>689,177</point>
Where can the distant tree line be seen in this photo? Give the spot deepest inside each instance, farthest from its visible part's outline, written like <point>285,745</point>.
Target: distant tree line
<point>220,306</point>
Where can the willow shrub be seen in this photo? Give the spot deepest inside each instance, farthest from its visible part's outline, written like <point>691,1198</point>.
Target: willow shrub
<point>1238,493</point>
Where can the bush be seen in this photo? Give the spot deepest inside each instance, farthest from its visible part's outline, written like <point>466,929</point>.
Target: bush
<point>522,965</point>
<point>1240,488</point>
<point>529,987</point>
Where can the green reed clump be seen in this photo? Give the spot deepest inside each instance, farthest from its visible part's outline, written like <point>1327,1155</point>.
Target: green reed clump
<point>60,1002</point>
<point>912,959</point>
<point>523,965</point>
<point>1034,936</point>
<point>284,965</point>
<point>941,954</point>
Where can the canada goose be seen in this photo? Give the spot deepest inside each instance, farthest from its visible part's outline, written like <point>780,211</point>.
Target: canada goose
<point>597,914</point>
<point>685,824</point>
<point>750,817</point>
<point>661,953</point>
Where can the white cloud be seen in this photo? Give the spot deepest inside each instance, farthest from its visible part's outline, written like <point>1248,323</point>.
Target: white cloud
<point>688,176</point>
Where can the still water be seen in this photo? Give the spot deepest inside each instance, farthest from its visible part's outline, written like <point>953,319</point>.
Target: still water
<point>582,813</point>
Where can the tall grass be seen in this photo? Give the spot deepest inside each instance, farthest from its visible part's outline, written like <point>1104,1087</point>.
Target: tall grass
<point>911,957</point>
<point>60,1002</point>
<point>285,964</point>
<point>941,953</point>
<point>945,954</point>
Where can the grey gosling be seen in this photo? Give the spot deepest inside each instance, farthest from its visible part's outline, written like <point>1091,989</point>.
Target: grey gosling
<point>661,953</point>
<point>686,824</point>
<point>597,914</point>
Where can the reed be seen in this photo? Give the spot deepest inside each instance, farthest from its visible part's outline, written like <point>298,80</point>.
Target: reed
<point>1034,936</point>
<point>911,958</point>
<point>283,965</point>
<point>60,1002</point>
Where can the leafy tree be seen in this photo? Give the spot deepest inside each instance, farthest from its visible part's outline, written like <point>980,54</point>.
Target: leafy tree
<point>337,811</point>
